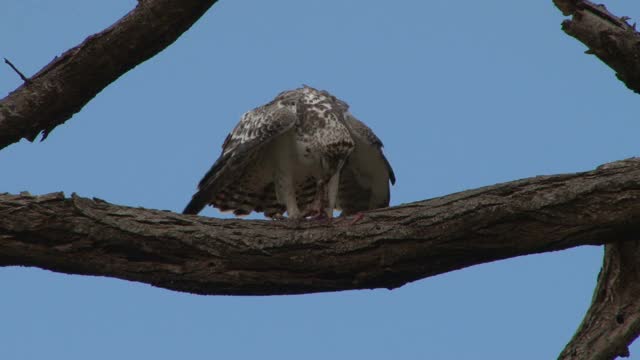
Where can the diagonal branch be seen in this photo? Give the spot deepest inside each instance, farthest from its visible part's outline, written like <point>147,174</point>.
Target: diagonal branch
<point>15,69</point>
<point>71,80</point>
<point>607,36</point>
<point>613,320</point>
<point>388,248</point>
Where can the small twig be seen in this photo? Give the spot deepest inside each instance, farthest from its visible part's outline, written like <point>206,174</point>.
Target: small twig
<point>24,78</point>
<point>601,11</point>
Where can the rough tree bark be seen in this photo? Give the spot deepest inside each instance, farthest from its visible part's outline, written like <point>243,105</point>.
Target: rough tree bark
<point>70,81</point>
<point>612,322</point>
<point>388,248</point>
<point>607,36</point>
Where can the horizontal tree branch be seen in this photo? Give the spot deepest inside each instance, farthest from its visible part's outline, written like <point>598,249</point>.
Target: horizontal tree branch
<point>608,36</point>
<point>71,80</point>
<point>387,248</point>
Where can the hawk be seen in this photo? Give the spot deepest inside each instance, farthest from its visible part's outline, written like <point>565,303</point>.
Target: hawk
<point>303,153</point>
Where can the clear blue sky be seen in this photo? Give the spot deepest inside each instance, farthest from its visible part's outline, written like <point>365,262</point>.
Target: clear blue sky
<point>463,94</point>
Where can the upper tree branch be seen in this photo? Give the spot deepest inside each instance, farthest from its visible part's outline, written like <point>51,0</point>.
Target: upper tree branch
<point>388,248</point>
<point>607,36</point>
<point>65,85</point>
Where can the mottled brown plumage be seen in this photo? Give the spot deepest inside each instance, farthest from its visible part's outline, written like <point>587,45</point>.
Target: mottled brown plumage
<point>289,154</point>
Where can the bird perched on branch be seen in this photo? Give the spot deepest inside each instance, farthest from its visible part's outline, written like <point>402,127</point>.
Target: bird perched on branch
<point>303,153</point>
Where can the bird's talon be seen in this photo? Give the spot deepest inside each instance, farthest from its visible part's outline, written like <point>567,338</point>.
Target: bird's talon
<point>359,216</point>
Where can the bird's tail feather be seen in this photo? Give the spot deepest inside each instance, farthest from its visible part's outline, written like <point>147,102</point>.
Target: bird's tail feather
<point>197,203</point>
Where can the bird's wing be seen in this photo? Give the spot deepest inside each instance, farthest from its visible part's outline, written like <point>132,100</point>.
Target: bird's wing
<point>256,129</point>
<point>364,180</point>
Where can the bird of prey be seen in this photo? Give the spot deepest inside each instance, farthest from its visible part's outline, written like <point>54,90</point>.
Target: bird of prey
<point>303,153</point>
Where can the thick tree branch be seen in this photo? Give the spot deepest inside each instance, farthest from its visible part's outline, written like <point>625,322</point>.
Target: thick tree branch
<point>607,36</point>
<point>388,248</point>
<point>70,81</point>
<point>613,320</point>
